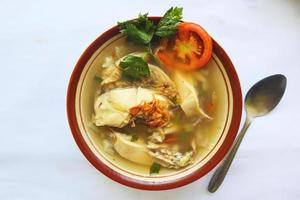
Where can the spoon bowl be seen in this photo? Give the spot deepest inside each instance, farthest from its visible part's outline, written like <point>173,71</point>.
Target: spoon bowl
<point>265,95</point>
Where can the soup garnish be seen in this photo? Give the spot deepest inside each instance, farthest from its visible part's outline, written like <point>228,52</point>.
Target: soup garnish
<point>190,49</point>
<point>151,107</point>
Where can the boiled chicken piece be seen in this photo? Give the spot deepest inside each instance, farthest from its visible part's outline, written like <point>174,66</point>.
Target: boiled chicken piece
<point>110,75</point>
<point>112,108</point>
<point>163,155</point>
<point>189,101</point>
<point>133,151</point>
<point>159,134</point>
<point>158,79</point>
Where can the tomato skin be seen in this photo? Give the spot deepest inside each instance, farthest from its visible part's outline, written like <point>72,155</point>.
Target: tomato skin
<point>196,60</point>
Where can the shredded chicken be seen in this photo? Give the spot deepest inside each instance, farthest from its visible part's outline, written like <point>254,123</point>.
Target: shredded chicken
<point>157,137</point>
<point>159,134</point>
<point>164,156</point>
<point>110,75</point>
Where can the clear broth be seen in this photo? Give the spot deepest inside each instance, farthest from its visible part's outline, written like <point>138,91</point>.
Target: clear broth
<point>206,133</point>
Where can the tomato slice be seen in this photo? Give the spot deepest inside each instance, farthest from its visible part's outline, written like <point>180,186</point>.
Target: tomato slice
<point>190,49</point>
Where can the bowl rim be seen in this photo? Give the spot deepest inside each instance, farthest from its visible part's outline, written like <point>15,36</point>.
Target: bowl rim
<point>98,164</point>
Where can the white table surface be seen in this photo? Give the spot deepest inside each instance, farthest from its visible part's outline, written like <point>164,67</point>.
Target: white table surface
<point>40,42</point>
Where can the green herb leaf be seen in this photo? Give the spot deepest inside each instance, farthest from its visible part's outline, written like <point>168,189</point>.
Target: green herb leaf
<point>139,30</point>
<point>98,79</point>
<point>134,138</point>
<point>134,68</point>
<point>155,167</point>
<point>167,26</point>
<point>142,30</point>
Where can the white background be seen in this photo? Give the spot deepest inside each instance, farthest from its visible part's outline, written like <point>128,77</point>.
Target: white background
<point>40,42</point>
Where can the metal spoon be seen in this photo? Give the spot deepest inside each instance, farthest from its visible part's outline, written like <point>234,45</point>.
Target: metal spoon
<point>260,100</point>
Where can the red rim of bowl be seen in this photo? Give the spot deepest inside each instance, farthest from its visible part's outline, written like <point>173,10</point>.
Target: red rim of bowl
<point>98,164</point>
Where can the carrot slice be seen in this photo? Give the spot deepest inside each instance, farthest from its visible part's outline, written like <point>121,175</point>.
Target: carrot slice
<point>170,139</point>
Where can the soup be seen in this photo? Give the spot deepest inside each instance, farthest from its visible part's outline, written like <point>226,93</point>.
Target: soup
<point>131,134</point>
<point>153,117</point>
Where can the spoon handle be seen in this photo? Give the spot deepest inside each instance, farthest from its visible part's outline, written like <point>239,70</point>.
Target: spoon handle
<point>222,170</point>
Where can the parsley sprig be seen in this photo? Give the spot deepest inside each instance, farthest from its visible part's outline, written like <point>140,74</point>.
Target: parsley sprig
<point>155,168</point>
<point>167,26</point>
<point>134,67</point>
<point>142,30</point>
<point>139,30</point>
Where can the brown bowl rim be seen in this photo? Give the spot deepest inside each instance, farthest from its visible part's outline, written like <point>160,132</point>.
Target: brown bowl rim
<point>98,164</point>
